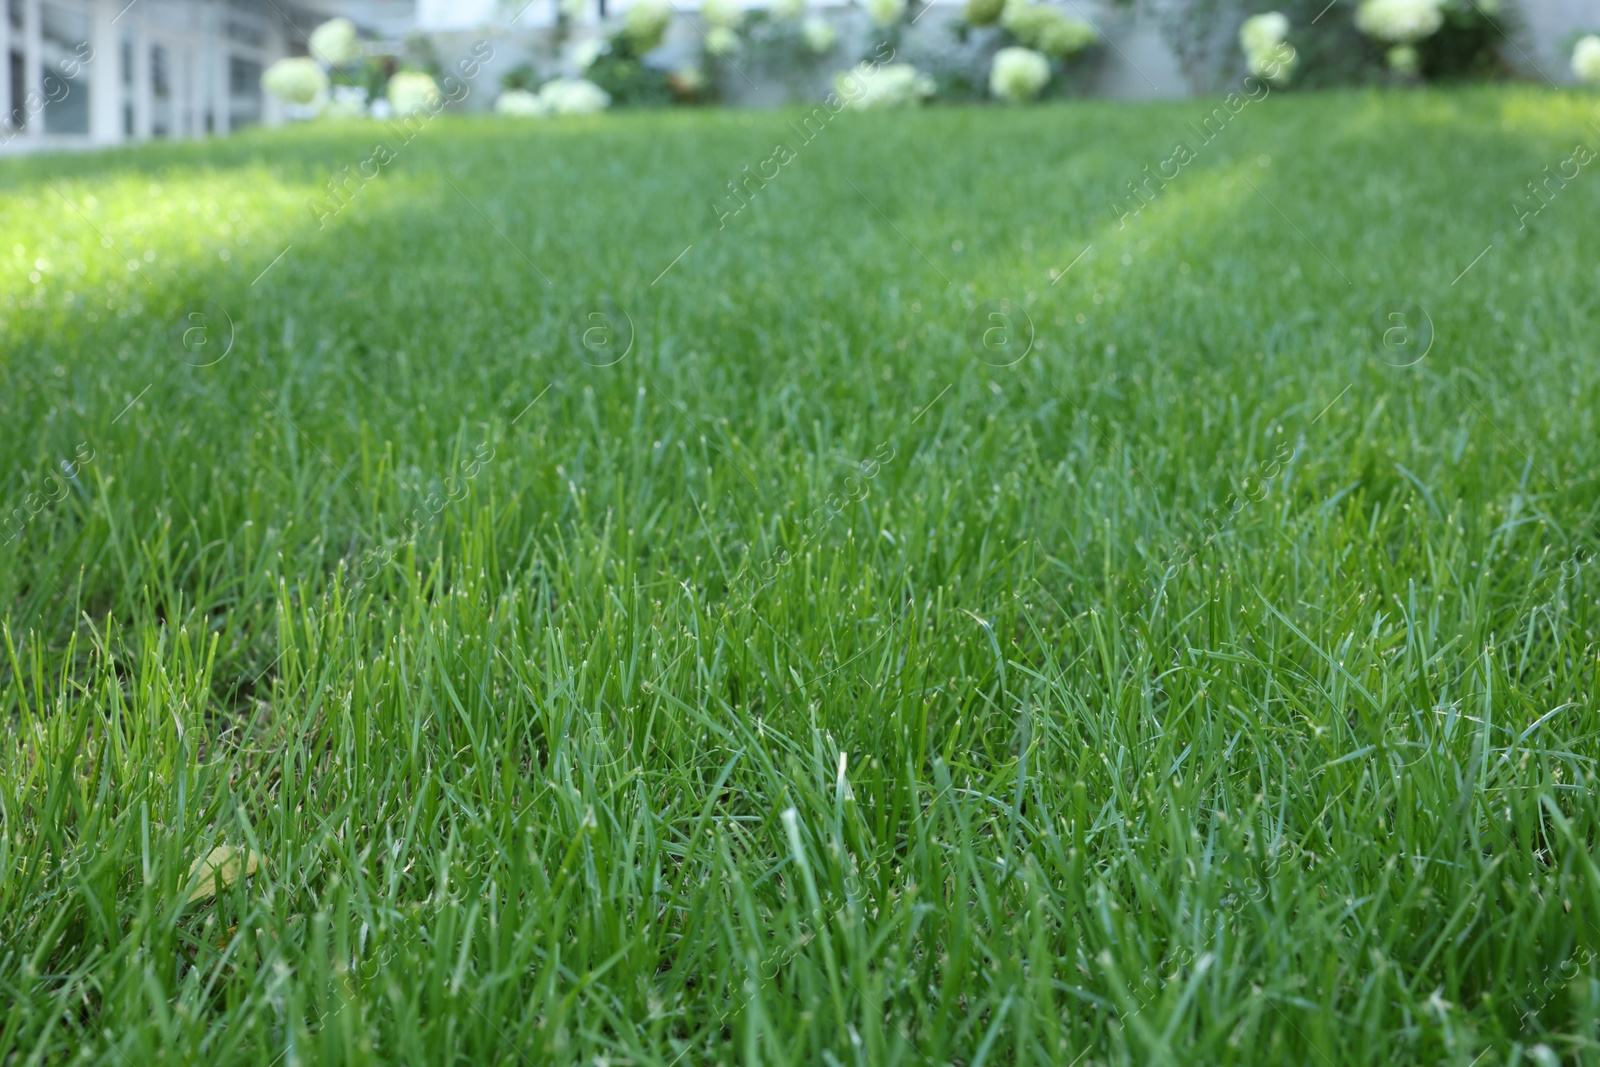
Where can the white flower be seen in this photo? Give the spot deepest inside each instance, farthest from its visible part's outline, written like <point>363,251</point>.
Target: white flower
<point>1263,33</point>
<point>573,96</point>
<point>721,12</point>
<point>295,81</point>
<point>1018,74</point>
<point>1276,65</point>
<point>1265,51</point>
<point>723,40</point>
<point>411,89</point>
<point>885,12</point>
<point>1399,21</point>
<point>1404,59</point>
<point>983,12</point>
<point>334,42</point>
<point>1586,59</point>
<point>349,102</point>
<point>646,23</point>
<point>894,85</point>
<point>519,103</point>
<point>788,9</point>
<point>584,53</point>
<point>819,35</point>
<point>1044,29</point>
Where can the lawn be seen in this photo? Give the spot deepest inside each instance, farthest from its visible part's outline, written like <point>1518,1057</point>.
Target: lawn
<point>932,613</point>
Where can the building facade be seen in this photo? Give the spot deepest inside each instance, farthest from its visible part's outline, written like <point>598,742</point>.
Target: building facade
<point>98,72</point>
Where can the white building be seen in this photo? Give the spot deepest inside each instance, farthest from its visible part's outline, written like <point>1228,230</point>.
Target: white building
<point>97,72</point>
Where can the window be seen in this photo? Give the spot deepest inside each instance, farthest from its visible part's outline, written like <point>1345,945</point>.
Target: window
<point>160,92</point>
<point>244,76</point>
<point>64,80</point>
<point>160,75</point>
<point>244,92</point>
<point>19,92</point>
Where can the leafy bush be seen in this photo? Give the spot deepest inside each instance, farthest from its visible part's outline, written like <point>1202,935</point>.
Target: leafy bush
<point>989,29</point>
<point>630,82</point>
<point>1330,49</point>
<point>1468,46</point>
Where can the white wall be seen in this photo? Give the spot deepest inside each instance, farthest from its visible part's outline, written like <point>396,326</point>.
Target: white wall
<point>1549,22</point>
<point>454,14</point>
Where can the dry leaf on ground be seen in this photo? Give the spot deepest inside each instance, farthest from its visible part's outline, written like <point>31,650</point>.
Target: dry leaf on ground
<point>223,863</point>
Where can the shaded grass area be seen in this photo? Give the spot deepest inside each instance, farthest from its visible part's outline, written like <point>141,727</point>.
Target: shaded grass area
<point>797,663</point>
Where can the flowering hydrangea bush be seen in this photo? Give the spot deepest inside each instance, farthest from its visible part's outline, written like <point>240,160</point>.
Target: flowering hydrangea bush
<point>1018,74</point>
<point>302,82</point>
<point>723,40</point>
<point>1044,29</point>
<point>573,96</point>
<point>819,35</point>
<point>519,103</point>
<point>1586,60</point>
<point>891,85</point>
<point>411,89</point>
<point>347,102</point>
<point>1437,38</point>
<point>298,80</point>
<point>780,46</point>
<point>645,24</point>
<point>886,12</point>
<point>984,12</point>
<point>584,54</point>
<point>1266,49</point>
<point>1400,21</point>
<point>1378,42</point>
<point>559,96</point>
<point>614,60</point>
<point>721,12</point>
<point>1404,59</point>
<point>1024,34</point>
<point>335,42</point>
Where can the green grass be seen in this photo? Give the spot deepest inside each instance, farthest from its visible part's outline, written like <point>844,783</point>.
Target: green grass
<point>802,687</point>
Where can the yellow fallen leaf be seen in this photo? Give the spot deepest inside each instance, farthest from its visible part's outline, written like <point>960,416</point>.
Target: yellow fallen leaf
<point>222,864</point>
